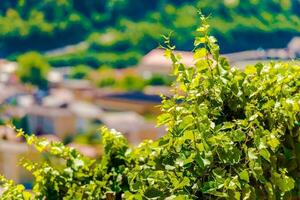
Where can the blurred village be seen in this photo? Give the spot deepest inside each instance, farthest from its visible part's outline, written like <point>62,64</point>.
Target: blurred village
<point>73,107</point>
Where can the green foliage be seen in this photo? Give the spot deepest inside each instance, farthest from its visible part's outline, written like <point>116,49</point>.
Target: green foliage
<point>127,83</point>
<point>12,192</point>
<point>131,25</point>
<point>106,77</point>
<point>158,79</point>
<point>238,25</point>
<point>33,69</point>
<point>77,177</point>
<point>132,83</point>
<point>107,82</point>
<point>124,80</point>
<point>80,72</point>
<point>231,134</point>
<point>95,60</point>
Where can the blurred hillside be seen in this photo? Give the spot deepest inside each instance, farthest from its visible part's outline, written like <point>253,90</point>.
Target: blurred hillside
<point>127,29</point>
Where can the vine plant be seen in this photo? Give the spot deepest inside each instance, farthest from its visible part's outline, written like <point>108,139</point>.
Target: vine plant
<point>231,134</point>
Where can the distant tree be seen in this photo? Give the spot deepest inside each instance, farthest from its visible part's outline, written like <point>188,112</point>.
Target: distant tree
<point>106,82</point>
<point>33,69</point>
<point>80,72</point>
<point>158,79</point>
<point>132,83</point>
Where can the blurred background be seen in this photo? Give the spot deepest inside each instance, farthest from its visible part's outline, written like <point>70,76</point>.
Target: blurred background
<point>68,67</point>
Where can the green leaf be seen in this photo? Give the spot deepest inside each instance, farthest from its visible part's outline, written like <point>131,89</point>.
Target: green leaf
<point>203,28</point>
<point>273,143</point>
<point>211,187</point>
<point>250,70</point>
<point>202,161</point>
<point>200,53</point>
<point>199,40</point>
<point>169,167</point>
<point>153,192</point>
<point>77,163</point>
<point>185,182</point>
<point>230,156</point>
<point>238,136</point>
<point>265,154</point>
<point>164,118</point>
<point>284,182</point>
<point>237,195</point>
<point>252,154</point>
<point>244,175</point>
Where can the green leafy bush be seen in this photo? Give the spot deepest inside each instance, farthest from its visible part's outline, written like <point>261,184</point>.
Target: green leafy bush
<point>231,134</point>
<point>33,69</point>
<point>107,82</point>
<point>80,72</point>
<point>158,79</point>
<point>132,83</point>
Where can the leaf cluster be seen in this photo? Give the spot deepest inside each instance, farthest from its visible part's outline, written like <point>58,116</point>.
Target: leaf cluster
<point>231,134</point>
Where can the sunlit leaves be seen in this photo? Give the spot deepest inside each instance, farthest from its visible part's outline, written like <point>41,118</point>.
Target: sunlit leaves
<point>230,134</point>
<point>244,175</point>
<point>284,182</point>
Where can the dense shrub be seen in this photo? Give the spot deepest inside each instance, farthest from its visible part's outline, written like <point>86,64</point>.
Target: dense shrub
<point>132,83</point>
<point>231,134</point>
<point>33,69</point>
<point>158,79</point>
<point>80,72</point>
<point>106,82</point>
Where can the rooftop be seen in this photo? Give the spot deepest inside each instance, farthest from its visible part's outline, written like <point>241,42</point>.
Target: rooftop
<point>135,96</point>
<point>156,62</point>
<point>48,111</point>
<point>294,45</point>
